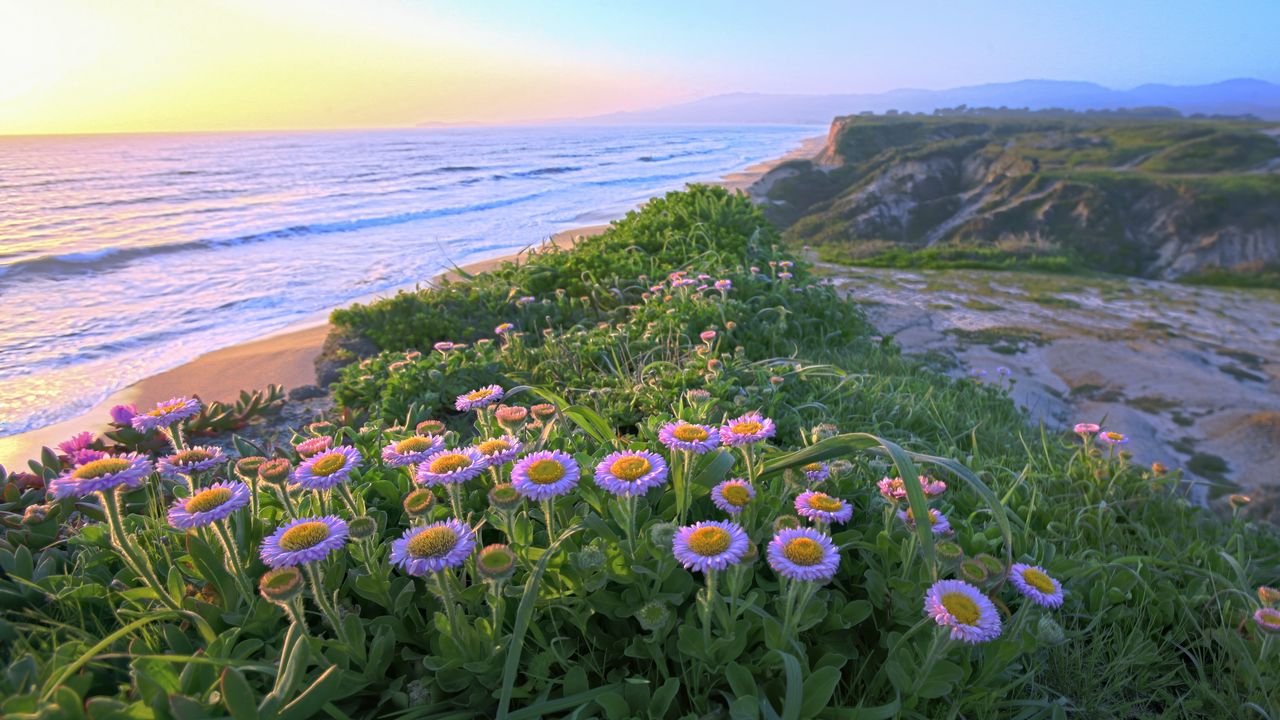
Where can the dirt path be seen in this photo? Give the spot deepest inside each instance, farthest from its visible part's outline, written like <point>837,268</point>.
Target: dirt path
<point>1191,374</point>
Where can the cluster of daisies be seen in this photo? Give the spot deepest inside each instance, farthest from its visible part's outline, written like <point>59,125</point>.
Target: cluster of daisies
<point>805,555</point>
<point>1092,431</point>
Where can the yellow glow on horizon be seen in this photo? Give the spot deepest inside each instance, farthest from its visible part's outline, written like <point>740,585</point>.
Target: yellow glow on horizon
<point>136,66</point>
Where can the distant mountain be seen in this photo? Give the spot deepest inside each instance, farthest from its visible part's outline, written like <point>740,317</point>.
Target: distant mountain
<point>1229,97</point>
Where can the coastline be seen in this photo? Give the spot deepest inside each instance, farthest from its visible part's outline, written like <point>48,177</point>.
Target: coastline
<point>288,357</point>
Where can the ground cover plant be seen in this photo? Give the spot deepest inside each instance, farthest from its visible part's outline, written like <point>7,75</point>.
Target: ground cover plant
<point>664,474</point>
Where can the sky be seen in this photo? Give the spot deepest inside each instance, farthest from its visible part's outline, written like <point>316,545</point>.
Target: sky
<point>70,66</point>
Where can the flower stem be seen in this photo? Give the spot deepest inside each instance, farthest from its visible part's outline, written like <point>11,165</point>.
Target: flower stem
<point>706,607</point>
<point>130,554</point>
<point>549,509</point>
<point>322,600</point>
<point>235,565</point>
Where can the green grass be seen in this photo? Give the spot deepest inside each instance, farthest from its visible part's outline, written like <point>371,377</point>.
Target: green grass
<point>594,623</point>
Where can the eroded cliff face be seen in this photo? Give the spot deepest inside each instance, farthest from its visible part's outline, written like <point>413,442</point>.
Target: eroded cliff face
<point>1153,198</point>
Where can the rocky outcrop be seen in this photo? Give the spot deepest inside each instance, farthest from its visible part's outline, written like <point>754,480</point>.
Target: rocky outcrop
<point>1153,198</point>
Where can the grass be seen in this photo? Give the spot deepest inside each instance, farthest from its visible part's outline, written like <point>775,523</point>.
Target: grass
<point>597,619</point>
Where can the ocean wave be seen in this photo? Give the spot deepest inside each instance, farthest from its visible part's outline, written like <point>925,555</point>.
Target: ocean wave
<point>95,260</point>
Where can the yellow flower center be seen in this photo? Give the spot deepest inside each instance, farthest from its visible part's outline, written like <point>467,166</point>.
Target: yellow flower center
<point>630,468</point>
<point>1038,580</point>
<point>329,464</point>
<point>449,463</point>
<point>433,542</point>
<point>99,468</point>
<point>304,535</point>
<point>480,394</point>
<point>933,516</point>
<point>709,540</point>
<point>735,495</point>
<point>493,447</point>
<point>206,500</point>
<point>812,467</point>
<point>1113,436</point>
<point>164,409</point>
<point>750,427</point>
<point>545,471</point>
<point>962,607</point>
<point>190,457</point>
<point>803,551</point>
<point>413,444</point>
<point>824,502</point>
<point>689,433</point>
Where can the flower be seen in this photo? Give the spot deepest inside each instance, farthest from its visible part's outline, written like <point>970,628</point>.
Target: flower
<point>962,607</point>
<point>784,276</point>
<point>449,467</point>
<point>313,446</point>
<point>1111,437</point>
<point>816,472</point>
<point>326,470</point>
<point>84,457</point>
<point>411,450</point>
<point>631,472</point>
<point>1268,619</point>
<point>1035,583</point>
<point>173,410</point>
<point>281,584</point>
<point>247,466</point>
<point>505,497</point>
<point>733,495</point>
<point>362,527</point>
<point>303,540</point>
<point>101,475</point>
<point>747,429</point>
<point>511,416</point>
<point>433,548</point>
<point>500,451</point>
<point>1268,595</point>
<point>821,507</point>
<point>937,521</point>
<point>76,443</point>
<point>495,562</point>
<point>803,554</point>
<point>542,411</point>
<point>276,472</point>
<point>710,545</point>
<point>479,398</point>
<point>430,427</point>
<point>525,300</point>
<point>653,615</point>
<point>123,414</point>
<point>692,438</point>
<point>707,336</point>
<point>503,329</point>
<point>893,490</point>
<point>545,474</point>
<point>192,460</point>
<point>723,285</point>
<point>444,346</point>
<point>208,506</point>
<point>1086,428</point>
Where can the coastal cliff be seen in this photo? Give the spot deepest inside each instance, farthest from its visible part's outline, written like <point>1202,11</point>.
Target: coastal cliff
<point>1146,196</point>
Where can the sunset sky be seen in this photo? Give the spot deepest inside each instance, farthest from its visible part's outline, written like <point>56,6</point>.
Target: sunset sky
<point>148,65</point>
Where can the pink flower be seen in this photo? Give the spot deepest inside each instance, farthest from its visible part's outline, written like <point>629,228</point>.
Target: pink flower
<point>78,442</point>
<point>707,335</point>
<point>1086,428</point>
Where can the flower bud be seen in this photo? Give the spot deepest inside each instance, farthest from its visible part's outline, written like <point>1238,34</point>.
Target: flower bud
<point>419,502</point>
<point>430,427</point>
<point>948,550</point>
<point>973,571</point>
<point>786,522</point>
<point>589,558</point>
<point>314,446</point>
<point>661,534</point>
<point>362,527</point>
<point>543,410</point>
<point>275,471</point>
<point>322,427</point>
<point>496,562</point>
<point>511,417</point>
<point>1239,501</point>
<point>505,497</point>
<point>991,564</point>
<point>281,584</point>
<point>1049,632</point>
<point>1268,595</point>
<point>247,467</point>
<point>653,616</point>
<point>35,514</point>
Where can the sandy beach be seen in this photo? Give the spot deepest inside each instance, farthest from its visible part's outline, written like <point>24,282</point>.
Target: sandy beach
<point>286,358</point>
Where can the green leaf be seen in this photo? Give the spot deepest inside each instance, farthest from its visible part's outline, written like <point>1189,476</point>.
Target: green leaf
<point>794,694</point>
<point>661,700</point>
<point>238,696</point>
<point>740,680</point>
<point>325,688</point>
<point>818,689</point>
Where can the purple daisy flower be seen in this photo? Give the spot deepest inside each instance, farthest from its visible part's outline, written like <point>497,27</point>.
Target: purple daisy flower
<point>327,469</point>
<point>313,446</point>
<point>680,435</point>
<point>723,285</point>
<point>710,545</point>
<point>1036,584</point>
<point>963,608</point>
<point>503,329</point>
<point>303,540</point>
<point>500,451</point>
<point>479,398</point>
<point>545,474</point>
<point>450,467</point>
<point>192,460</point>
<point>122,415</point>
<point>1267,619</point>
<point>816,472</point>
<point>433,548</point>
<point>171,411</point>
<point>444,346</point>
<point>733,495</point>
<point>821,507</point>
<point>76,443</point>
<point>631,472</point>
<point>411,450</point>
<point>803,554</point>
<point>1086,428</point>
<point>747,429</point>
<point>937,521</point>
<point>103,474</point>
<point>893,490</point>
<point>84,457</point>
<point>208,506</point>
<point>1110,437</point>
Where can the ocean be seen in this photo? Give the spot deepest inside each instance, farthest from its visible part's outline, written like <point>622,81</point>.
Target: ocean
<point>124,255</point>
